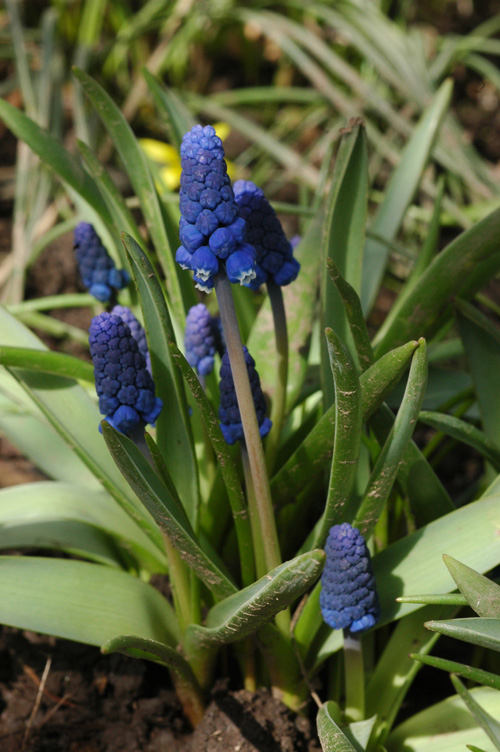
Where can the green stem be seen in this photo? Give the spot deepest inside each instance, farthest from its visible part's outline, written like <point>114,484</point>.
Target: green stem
<point>262,495</point>
<point>354,677</point>
<point>279,397</point>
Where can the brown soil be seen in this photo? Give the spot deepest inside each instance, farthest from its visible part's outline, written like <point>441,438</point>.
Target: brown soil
<point>57,696</point>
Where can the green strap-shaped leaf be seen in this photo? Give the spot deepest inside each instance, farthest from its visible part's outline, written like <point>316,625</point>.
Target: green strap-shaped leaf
<point>343,237</point>
<point>426,254</point>
<point>446,726</point>
<point>482,594</point>
<point>486,678</point>
<point>169,517</point>
<point>37,504</point>
<point>55,156</point>
<point>47,362</point>
<point>489,724</point>
<point>315,451</point>
<point>347,442</point>
<point>414,563</point>
<point>227,467</point>
<point>136,164</point>
<point>245,612</point>
<point>386,468</point>
<point>482,347</point>
<point>354,312</point>
<point>330,734</point>
<point>80,601</point>
<point>400,191</point>
<point>420,484</point>
<point>448,277</point>
<point>464,432</point>
<point>173,435</point>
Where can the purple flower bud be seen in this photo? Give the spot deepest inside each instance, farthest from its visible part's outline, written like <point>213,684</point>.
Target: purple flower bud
<point>124,386</point>
<point>97,268</point>
<point>348,597</point>
<point>265,233</point>
<point>201,339</point>
<point>229,413</point>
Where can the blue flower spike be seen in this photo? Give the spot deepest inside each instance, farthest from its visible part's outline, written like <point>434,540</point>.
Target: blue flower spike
<point>137,330</point>
<point>202,339</point>
<point>275,260</point>
<point>124,386</point>
<point>97,269</point>
<point>348,598</point>
<point>210,229</point>
<point>229,412</point>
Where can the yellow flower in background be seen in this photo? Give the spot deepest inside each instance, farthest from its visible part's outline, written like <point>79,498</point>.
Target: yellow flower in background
<point>168,160</point>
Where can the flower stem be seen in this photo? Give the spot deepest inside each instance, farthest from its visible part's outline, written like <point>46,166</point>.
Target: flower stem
<point>354,677</point>
<point>262,502</point>
<point>279,398</point>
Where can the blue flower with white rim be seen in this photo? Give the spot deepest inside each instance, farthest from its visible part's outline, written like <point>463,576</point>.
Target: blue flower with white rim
<point>210,229</point>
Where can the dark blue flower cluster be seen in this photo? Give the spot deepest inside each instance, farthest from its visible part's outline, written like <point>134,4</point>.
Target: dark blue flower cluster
<point>97,268</point>
<point>264,232</point>
<point>202,339</point>
<point>348,596</point>
<point>211,231</point>
<point>229,412</point>
<point>124,386</point>
<point>136,329</point>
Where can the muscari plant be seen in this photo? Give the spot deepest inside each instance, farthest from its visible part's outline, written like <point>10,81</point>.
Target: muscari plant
<point>244,557</point>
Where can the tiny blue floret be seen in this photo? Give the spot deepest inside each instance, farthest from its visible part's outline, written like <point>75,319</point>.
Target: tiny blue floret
<point>202,339</point>
<point>124,386</point>
<point>210,229</point>
<point>229,412</point>
<point>348,597</point>
<point>96,266</point>
<point>275,260</point>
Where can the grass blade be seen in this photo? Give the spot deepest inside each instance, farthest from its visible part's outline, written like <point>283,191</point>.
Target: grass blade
<point>400,191</point>
<point>136,164</point>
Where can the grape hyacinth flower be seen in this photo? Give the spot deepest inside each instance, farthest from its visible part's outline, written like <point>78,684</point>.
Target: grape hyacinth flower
<point>97,268</point>
<point>229,412</point>
<point>275,260</point>
<point>202,339</point>
<point>211,232</point>
<point>124,386</point>
<point>137,330</point>
<point>348,598</point>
